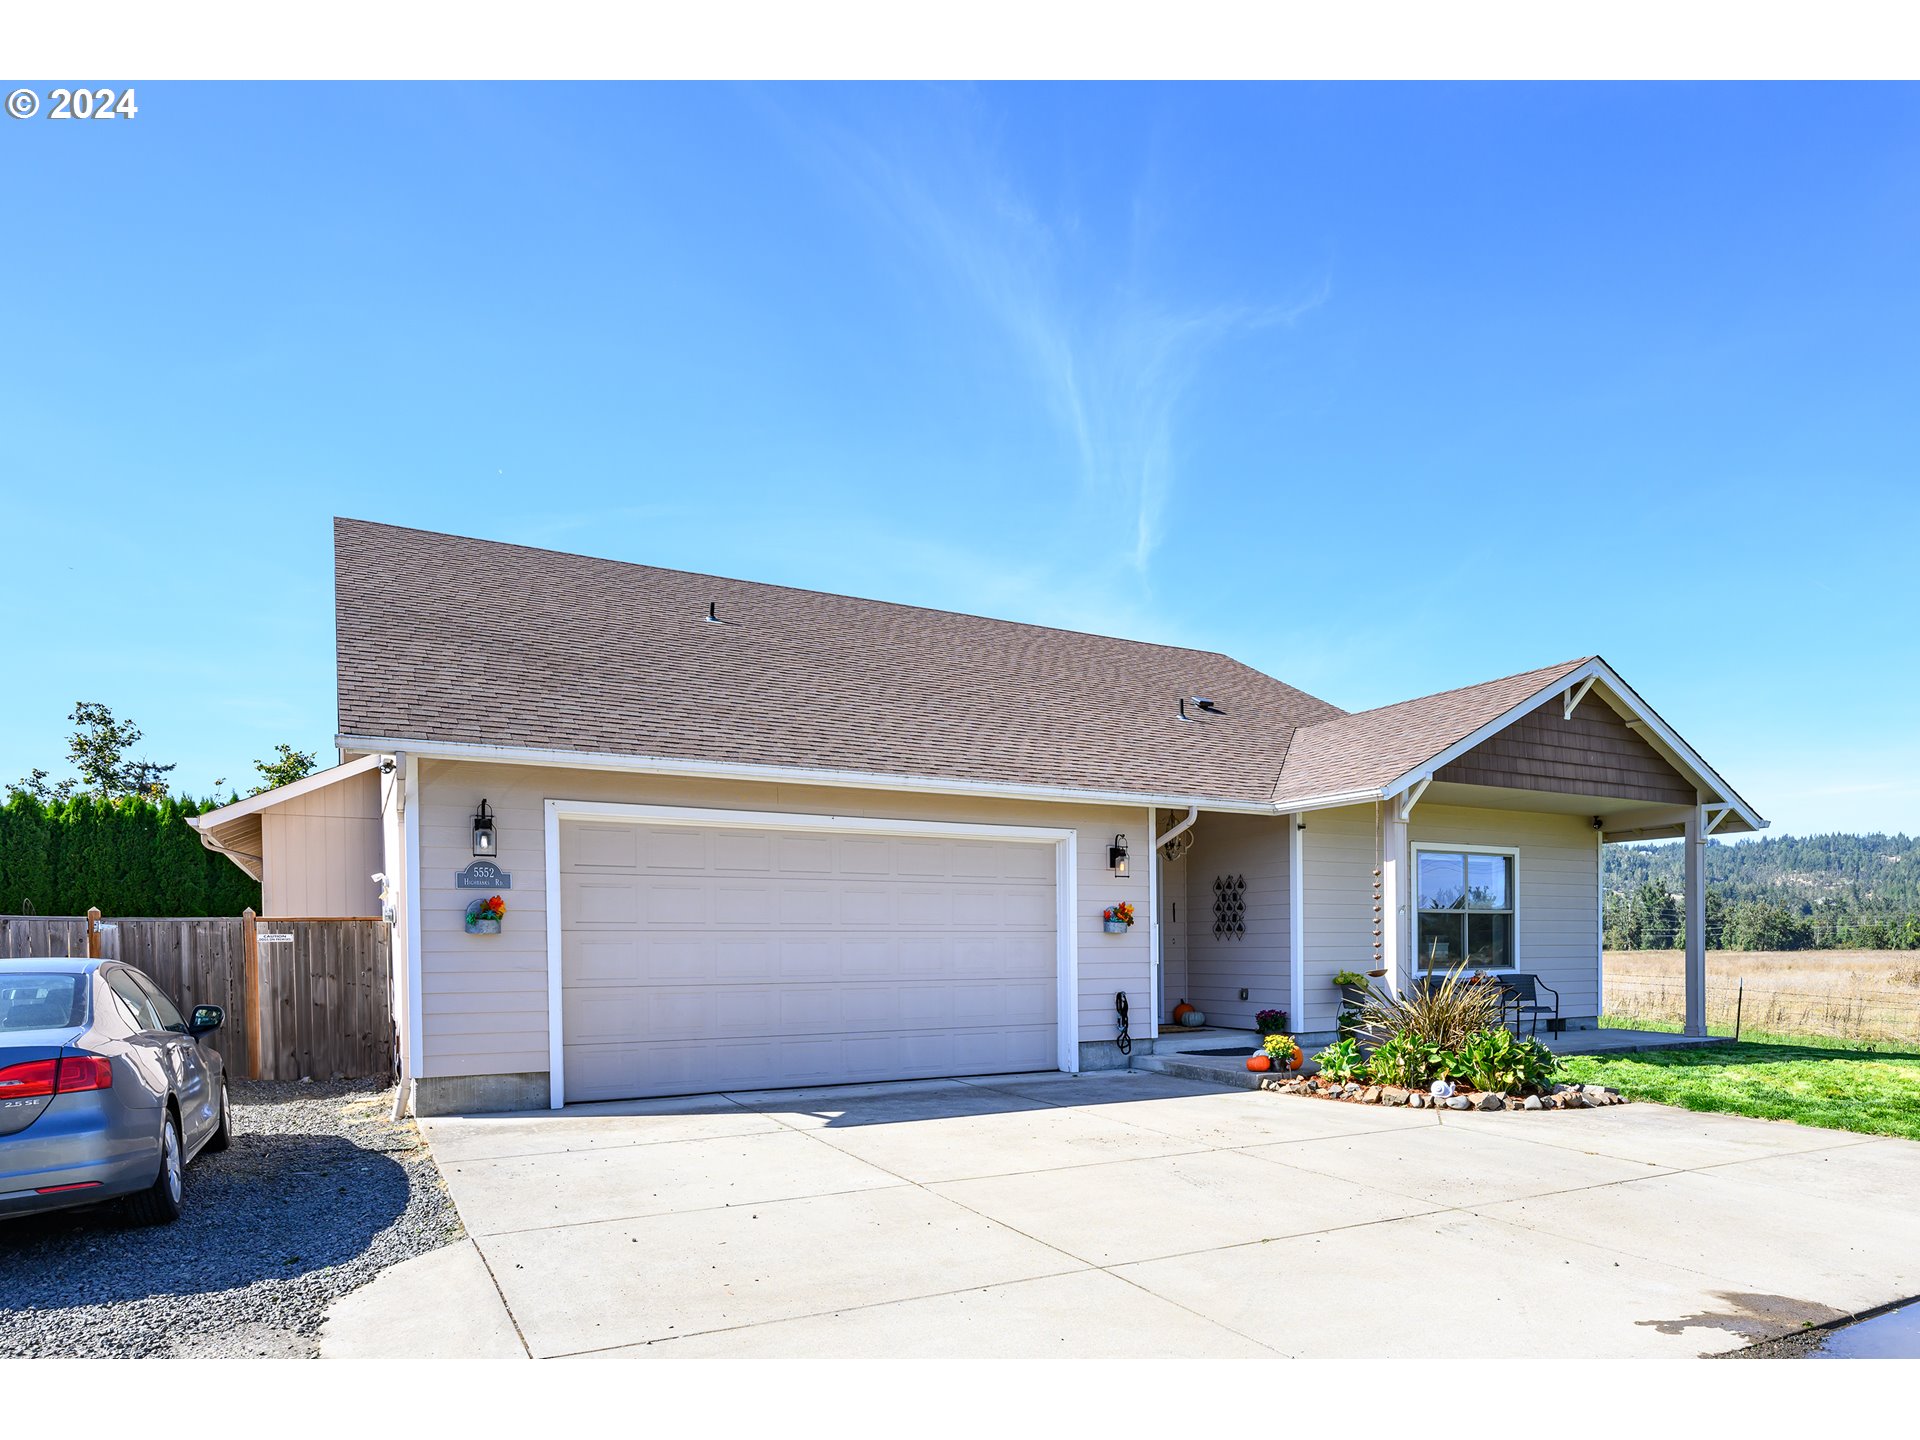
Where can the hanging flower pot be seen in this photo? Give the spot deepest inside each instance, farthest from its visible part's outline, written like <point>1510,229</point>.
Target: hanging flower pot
<point>483,916</point>
<point>1117,919</point>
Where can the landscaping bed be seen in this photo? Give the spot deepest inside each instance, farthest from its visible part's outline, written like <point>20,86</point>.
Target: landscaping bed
<point>1360,1092</point>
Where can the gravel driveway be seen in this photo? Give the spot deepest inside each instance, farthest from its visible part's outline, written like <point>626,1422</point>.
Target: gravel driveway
<point>319,1193</point>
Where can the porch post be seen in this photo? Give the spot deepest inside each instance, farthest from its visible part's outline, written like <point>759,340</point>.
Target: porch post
<point>1393,943</point>
<point>1696,921</point>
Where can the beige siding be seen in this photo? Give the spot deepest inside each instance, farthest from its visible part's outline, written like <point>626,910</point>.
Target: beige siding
<point>1220,966</point>
<point>320,851</point>
<point>484,1000</point>
<point>1556,891</point>
<point>1341,850</point>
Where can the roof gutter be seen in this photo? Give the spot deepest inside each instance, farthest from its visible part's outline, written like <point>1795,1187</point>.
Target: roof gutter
<point>787,774</point>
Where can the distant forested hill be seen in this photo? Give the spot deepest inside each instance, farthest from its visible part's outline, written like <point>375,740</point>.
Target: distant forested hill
<point>1796,892</point>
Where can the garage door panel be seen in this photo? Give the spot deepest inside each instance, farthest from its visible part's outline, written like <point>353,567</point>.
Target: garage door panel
<point>672,847</point>
<point>807,904</point>
<point>725,958</point>
<point>744,850</point>
<point>803,854</point>
<point>588,846</point>
<point>600,899</point>
<point>862,855</point>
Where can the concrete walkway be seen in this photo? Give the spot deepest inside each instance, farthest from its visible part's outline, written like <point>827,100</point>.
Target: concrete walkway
<point>1137,1214</point>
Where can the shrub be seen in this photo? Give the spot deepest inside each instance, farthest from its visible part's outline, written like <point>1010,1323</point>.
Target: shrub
<point>1342,1060</point>
<point>1270,1022</point>
<point>1441,1013</point>
<point>1350,978</point>
<point>1496,1060</point>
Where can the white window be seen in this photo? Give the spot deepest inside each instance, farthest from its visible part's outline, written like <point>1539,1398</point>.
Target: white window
<point>1465,897</point>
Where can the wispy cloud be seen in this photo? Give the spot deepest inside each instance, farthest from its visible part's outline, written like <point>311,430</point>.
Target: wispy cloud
<point>1113,362</point>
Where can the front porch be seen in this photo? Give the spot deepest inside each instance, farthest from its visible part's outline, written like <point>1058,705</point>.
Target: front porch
<point>1219,1054</point>
<point>1483,854</point>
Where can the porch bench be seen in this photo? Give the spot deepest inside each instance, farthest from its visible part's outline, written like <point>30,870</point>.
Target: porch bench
<point>1520,993</point>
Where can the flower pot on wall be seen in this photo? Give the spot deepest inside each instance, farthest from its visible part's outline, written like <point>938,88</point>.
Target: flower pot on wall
<point>1115,927</point>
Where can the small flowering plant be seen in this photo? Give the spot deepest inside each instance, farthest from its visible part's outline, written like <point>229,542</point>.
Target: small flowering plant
<point>484,915</point>
<point>1280,1049</point>
<point>1121,913</point>
<point>1270,1022</point>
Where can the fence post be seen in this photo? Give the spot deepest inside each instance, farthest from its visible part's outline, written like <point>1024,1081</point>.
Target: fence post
<point>93,932</point>
<point>250,952</point>
<point>1739,1004</point>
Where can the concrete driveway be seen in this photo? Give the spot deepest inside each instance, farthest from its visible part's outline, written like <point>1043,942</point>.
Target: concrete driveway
<point>1131,1214</point>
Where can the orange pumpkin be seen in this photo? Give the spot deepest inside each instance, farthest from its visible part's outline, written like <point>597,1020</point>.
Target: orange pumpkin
<point>1181,1010</point>
<point>1295,1060</point>
<point>1259,1062</point>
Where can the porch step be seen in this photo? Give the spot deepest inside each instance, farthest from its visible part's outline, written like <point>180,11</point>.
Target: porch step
<point>1214,1069</point>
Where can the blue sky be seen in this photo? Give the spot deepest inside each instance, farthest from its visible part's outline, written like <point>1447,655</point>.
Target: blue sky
<point>1380,389</point>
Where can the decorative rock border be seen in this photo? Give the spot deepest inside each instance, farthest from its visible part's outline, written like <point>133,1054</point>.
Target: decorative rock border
<point>1354,1092</point>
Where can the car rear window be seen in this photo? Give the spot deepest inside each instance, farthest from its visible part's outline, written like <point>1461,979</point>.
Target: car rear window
<point>42,1002</point>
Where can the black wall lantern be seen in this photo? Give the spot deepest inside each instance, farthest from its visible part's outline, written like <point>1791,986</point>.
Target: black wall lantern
<point>483,837</point>
<point>1116,855</point>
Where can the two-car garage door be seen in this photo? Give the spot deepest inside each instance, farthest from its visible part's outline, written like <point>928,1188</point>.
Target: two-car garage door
<point>713,957</point>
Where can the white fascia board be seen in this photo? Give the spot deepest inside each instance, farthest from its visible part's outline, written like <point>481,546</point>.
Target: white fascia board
<point>1620,693</point>
<point>267,799</point>
<point>790,775</point>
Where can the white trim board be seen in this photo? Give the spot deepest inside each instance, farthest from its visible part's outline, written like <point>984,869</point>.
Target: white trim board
<point>1065,888</point>
<point>267,799</point>
<point>791,775</point>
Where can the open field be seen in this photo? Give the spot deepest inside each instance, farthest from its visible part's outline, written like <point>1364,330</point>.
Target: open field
<point>1859,996</point>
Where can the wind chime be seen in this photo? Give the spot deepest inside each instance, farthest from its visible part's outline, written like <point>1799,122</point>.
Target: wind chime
<point>1379,892</point>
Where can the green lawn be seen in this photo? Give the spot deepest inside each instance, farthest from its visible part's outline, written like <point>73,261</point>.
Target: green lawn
<point>1816,1082</point>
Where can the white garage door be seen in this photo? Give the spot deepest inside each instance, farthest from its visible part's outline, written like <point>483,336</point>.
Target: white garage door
<point>698,958</point>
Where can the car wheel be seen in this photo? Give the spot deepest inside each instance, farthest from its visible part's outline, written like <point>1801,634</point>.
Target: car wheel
<point>159,1203</point>
<point>222,1135</point>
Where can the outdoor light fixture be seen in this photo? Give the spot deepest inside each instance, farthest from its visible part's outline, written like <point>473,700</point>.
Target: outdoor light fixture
<point>483,838</point>
<point>1117,855</point>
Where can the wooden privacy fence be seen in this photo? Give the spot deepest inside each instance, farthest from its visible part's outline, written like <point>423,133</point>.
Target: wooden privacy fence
<point>303,996</point>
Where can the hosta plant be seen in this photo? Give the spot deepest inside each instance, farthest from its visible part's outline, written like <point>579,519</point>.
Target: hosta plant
<point>1407,1061</point>
<point>1496,1059</point>
<point>1342,1060</point>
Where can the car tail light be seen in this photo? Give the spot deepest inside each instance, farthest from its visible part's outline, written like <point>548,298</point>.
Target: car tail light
<point>84,1072</point>
<point>24,1082</point>
<point>56,1077</point>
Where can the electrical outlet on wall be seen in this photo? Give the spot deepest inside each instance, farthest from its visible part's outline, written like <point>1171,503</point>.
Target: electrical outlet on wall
<point>1243,994</point>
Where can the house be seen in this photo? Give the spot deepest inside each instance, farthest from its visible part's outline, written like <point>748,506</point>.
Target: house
<point>752,836</point>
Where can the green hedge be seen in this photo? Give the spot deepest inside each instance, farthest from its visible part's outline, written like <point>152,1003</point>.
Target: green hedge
<point>129,857</point>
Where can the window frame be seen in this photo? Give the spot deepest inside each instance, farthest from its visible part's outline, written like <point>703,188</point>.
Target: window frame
<point>1511,910</point>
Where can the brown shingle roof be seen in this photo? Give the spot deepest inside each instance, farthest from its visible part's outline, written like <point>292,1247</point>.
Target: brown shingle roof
<point>1366,750</point>
<point>447,639</point>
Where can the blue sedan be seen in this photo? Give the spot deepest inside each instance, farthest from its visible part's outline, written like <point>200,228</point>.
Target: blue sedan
<point>106,1090</point>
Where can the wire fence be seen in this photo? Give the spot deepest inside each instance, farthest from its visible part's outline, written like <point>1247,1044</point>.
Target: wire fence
<point>1736,1007</point>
